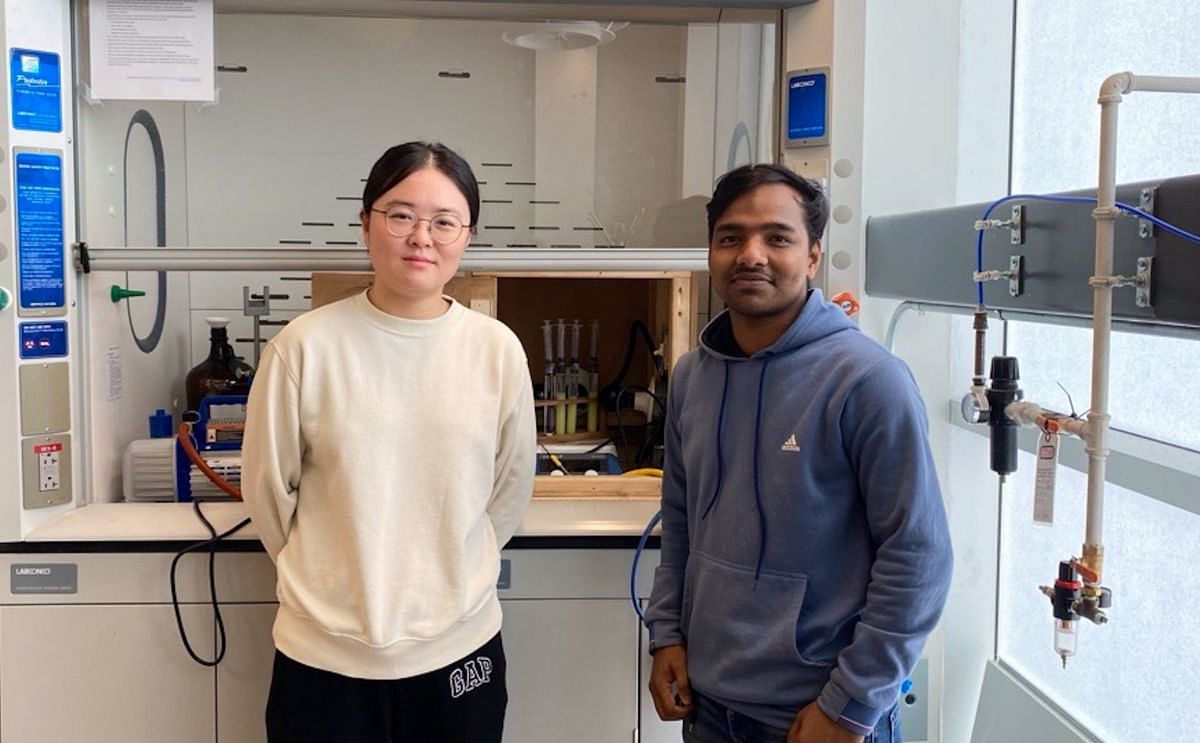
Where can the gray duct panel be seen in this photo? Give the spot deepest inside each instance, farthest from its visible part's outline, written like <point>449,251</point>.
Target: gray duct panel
<point>929,256</point>
<point>1176,281</point>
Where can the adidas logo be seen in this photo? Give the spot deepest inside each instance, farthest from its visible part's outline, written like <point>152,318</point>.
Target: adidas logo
<point>790,444</point>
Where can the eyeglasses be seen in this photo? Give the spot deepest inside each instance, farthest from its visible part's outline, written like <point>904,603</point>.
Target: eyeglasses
<point>443,228</point>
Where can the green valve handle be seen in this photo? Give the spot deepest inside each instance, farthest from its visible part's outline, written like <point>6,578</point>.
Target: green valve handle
<point>5,298</point>
<point>118,293</point>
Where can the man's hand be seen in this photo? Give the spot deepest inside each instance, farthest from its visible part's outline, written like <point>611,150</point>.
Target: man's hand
<point>813,726</point>
<point>669,683</point>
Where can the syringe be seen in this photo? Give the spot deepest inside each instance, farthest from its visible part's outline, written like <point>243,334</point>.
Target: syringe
<point>548,379</point>
<point>573,377</point>
<point>594,380</point>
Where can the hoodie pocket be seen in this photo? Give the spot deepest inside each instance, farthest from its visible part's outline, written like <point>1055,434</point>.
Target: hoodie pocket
<point>741,634</point>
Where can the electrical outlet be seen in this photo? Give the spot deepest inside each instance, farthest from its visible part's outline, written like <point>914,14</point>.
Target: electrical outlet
<point>49,459</point>
<point>46,471</point>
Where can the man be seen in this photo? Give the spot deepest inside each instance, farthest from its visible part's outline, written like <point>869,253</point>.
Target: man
<point>805,552</point>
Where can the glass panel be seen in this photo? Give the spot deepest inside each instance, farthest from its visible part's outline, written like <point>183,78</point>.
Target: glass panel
<point>1133,679</point>
<point>1062,55</point>
<point>1064,50</point>
<point>1145,396</point>
<point>575,148</point>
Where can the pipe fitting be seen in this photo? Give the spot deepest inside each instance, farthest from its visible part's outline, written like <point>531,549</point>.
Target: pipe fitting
<point>1114,87</point>
<point>1116,281</point>
<point>1093,557</point>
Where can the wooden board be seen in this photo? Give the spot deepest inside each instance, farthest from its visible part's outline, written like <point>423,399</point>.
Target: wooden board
<point>330,287</point>
<point>682,333</point>
<point>602,486</point>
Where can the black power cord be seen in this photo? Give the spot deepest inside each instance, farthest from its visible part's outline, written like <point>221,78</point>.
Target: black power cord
<point>211,544</point>
<point>655,428</point>
<point>610,393</point>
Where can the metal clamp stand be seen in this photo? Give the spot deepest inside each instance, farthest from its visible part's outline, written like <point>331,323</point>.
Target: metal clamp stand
<point>256,306</point>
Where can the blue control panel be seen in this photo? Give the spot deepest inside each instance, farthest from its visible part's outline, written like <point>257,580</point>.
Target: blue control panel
<point>40,255</point>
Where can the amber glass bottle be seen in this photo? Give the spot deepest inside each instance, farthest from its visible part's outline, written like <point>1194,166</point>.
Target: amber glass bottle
<point>222,373</point>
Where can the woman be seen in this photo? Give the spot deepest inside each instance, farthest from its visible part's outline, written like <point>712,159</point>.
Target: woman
<point>388,456</point>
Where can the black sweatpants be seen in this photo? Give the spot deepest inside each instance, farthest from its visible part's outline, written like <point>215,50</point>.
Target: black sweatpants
<point>461,703</point>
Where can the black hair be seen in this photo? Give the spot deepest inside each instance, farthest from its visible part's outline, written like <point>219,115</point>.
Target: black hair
<point>403,160</point>
<point>740,181</point>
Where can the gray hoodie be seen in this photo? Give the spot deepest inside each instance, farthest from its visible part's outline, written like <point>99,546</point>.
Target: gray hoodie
<point>805,551</point>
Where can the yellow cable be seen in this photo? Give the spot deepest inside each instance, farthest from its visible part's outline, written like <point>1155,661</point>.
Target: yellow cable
<point>557,462</point>
<point>644,472</point>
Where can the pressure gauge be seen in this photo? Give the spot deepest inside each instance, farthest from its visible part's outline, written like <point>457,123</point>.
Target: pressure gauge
<point>975,407</point>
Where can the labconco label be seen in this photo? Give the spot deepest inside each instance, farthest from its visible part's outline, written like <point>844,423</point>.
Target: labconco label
<point>45,579</point>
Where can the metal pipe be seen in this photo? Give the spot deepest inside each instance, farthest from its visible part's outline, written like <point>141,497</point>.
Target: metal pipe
<point>1071,321</point>
<point>1162,83</point>
<point>979,325</point>
<point>889,338</point>
<point>1105,213</point>
<point>314,258</point>
<point>1031,414</point>
<point>1112,92</point>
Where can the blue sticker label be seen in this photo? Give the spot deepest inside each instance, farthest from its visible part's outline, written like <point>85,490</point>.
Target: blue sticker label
<point>40,257</point>
<point>40,340</point>
<point>36,90</point>
<point>806,106</point>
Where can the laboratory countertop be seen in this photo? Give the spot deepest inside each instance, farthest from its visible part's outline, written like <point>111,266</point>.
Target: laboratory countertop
<point>557,515</point>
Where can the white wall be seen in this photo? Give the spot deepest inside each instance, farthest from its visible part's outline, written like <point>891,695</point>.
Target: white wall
<point>936,134</point>
<point>933,131</point>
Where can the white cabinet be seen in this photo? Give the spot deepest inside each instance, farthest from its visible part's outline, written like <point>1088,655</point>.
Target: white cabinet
<point>244,676</point>
<point>104,673</point>
<point>105,664</point>
<point>571,664</point>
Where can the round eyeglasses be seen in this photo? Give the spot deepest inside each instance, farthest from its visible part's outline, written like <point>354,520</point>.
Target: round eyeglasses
<point>443,228</point>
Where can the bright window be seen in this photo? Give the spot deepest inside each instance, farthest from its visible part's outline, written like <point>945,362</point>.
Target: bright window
<point>1064,50</point>
<point>1135,679</point>
<point>1150,392</point>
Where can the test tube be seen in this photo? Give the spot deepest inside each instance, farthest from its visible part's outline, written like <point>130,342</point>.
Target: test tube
<point>548,379</point>
<point>593,408</point>
<point>560,378</point>
<point>573,372</point>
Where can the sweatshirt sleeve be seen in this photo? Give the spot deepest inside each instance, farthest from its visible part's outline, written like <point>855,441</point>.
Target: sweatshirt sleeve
<point>886,435</point>
<point>272,450</point>
<point>516,442</point>
<point>664,611</point>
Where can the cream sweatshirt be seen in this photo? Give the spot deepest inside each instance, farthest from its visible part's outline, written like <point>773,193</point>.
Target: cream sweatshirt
<point>386,461</point>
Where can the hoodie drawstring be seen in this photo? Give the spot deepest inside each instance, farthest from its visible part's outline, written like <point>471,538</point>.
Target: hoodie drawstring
<point>762,516</point>
<point>720,462</point>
